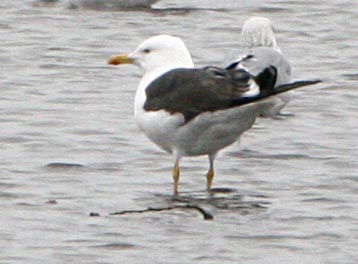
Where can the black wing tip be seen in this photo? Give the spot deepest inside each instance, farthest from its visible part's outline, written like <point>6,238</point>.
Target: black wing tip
<point>297,84</point>
<point>311,82</point>
<point>232,66</point>
<point>270,89</point>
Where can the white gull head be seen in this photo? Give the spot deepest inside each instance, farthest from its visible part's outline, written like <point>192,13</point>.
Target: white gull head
<point>258,31</point>
<point>160,54</point>
<point>154,56</point>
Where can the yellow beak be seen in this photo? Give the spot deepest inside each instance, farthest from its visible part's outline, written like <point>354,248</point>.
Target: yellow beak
<point>120,59</point>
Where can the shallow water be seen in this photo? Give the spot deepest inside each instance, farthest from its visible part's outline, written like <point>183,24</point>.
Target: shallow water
<point>69,145</point>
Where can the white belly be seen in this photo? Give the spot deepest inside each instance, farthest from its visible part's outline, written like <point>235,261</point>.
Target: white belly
<point>206,134</point>
<point>160,127</point>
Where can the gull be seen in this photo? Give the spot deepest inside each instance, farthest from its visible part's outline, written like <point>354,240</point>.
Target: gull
<point>189,111</point>
<point>260,50</point>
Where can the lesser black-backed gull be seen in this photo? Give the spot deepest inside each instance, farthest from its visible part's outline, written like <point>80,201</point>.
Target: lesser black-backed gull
<point>189,111</point>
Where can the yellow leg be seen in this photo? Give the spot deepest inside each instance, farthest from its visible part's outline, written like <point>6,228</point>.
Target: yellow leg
<point>210,174</point>
<point>209,178</point>
<point>176,173</point>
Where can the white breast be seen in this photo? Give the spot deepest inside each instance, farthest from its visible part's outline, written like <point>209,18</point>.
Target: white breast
<point>158,126</point>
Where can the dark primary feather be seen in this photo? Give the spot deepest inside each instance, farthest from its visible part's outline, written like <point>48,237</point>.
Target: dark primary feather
<point>274,91</point>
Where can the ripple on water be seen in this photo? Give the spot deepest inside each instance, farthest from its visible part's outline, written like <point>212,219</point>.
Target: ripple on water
<point>64,166</point>
<point>8,195</point>
<point>116,246</point>
<point>351,76</point>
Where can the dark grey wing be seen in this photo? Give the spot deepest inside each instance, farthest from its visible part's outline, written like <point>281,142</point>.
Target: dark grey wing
<point>193,91</point>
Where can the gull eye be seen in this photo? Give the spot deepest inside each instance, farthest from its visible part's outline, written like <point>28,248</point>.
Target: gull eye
<point>146,51</point>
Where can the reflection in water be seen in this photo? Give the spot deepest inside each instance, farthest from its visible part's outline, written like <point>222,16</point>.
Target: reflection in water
<point>216,199</point>
<point>219,198</point>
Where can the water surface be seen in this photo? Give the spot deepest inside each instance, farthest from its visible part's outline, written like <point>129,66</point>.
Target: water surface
<point>69,145</point>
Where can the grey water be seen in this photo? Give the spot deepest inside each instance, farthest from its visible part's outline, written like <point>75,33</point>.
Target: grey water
<point>70,147</point>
